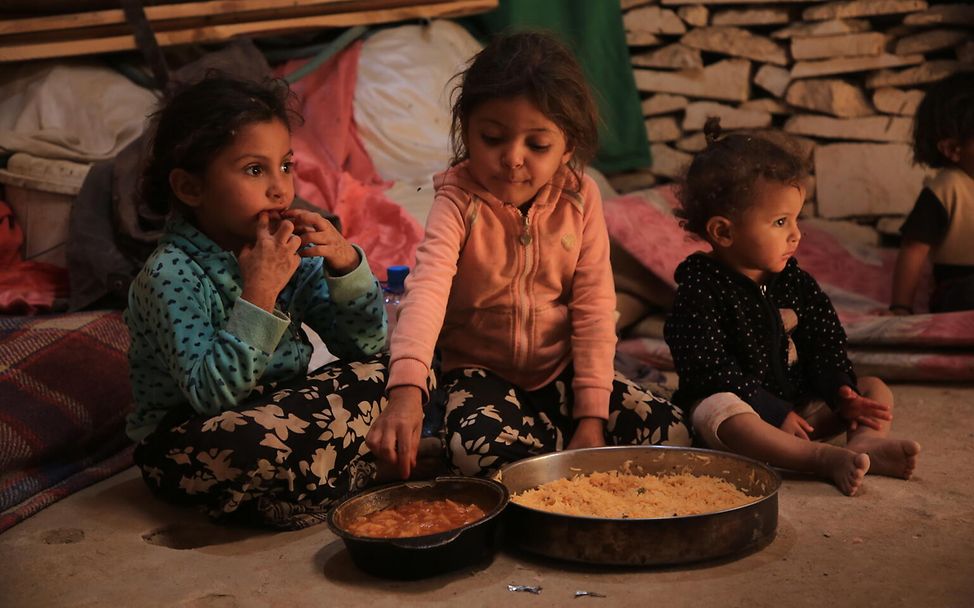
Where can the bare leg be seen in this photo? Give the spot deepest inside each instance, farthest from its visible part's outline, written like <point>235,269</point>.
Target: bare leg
<point>891,457</point>
<point>747,434</point>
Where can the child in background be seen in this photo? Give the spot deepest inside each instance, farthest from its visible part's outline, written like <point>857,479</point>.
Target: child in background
<point>941,225</point>
<point>512,281</point>
<point>756,343</point>
<point>215,320</point>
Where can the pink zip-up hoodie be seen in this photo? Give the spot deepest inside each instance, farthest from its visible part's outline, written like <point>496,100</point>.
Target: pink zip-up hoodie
<point>520,295</point>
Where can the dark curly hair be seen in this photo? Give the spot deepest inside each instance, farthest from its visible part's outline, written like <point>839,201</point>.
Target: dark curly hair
<point>946,112</point>
<point>721,179</point>
<point>537,65</point>
<point>197,120</point>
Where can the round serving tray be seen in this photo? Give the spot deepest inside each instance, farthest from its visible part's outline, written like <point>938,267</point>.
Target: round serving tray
<point>643,541</point>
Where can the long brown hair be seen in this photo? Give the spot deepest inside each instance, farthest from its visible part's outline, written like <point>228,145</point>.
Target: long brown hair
<point>534,64</point>
<point>199,119</point>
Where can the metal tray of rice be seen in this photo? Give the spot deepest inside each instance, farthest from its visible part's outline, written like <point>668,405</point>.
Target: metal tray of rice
<point>640,505</point>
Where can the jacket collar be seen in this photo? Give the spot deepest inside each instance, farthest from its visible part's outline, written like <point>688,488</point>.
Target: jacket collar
<point>703,264</point>
<point>220,265</point>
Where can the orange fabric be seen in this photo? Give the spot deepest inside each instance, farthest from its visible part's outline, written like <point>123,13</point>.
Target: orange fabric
<point>25,287</point>
<point>523,298</point>
<point>11,238</point>
<point>335,172</point>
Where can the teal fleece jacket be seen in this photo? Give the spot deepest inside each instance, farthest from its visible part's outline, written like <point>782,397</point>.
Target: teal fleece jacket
<point>194,340</point>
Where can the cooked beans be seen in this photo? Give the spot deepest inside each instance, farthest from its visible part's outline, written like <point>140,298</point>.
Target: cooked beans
<point>415,518</point>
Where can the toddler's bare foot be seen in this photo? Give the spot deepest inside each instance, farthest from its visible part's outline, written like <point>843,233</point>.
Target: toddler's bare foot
<point>844,467</point>
<point>890,457</point>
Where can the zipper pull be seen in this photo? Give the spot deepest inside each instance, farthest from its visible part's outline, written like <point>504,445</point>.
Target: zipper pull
<point>526,234</point>
<point>764,289</point>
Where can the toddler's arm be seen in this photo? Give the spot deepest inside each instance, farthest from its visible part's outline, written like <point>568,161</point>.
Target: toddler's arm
<point>704,362</point>
<point>821,343</point>
<point>906,277</point>
<point>924,227</point>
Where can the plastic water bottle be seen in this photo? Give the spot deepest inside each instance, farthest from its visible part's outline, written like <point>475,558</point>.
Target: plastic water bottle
<point>392,291</point>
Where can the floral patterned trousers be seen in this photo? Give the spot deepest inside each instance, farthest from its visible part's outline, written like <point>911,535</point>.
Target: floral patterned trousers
<point>280,459</point>
<point>491,422</point>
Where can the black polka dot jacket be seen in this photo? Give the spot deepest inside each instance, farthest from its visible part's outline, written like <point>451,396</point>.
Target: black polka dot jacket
<point>727,334</point>
<point>193,339</point>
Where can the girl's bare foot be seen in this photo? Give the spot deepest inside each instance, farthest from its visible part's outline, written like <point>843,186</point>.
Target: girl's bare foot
<point>890,457</point>
<point>844,467</point>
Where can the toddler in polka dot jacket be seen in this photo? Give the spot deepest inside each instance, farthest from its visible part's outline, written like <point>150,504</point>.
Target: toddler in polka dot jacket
<point>758,346</point>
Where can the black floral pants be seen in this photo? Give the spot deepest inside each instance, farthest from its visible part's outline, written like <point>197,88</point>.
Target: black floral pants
<point>282,458</point>
<point>491,422</point>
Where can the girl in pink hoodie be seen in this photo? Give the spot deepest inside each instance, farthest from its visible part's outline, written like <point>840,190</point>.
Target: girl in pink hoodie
<point>512,281</point>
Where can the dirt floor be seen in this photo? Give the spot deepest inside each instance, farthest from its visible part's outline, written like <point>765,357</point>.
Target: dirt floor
<point>897,544</point>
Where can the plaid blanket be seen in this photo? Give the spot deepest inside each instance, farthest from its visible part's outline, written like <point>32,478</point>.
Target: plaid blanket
<point>64,394</point>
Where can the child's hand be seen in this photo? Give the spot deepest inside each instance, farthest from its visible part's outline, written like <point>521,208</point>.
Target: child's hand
<point>859,410</point>
<point>394,436</point>
<point>340,257</point>
<point>267,264</point>
<point>797,426</point>
<point>590,433</point>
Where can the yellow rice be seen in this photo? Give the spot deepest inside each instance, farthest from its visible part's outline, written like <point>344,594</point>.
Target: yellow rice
<point>622,494</point>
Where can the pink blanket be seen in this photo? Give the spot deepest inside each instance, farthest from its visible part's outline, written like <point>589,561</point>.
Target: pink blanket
<point>335,172</point>
<point>858,279</point>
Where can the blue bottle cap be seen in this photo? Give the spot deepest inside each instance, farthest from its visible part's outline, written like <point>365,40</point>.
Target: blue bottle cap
<point>396,277</point>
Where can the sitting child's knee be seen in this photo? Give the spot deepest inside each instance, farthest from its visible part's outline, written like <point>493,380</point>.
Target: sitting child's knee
<point>875,389</point>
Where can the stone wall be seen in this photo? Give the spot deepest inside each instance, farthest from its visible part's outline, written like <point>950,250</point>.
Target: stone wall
<point>844,78</point>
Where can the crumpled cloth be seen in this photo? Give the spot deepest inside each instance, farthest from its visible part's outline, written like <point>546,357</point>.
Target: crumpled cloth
<point>402,101</point>
<point>73,110</point>
<point>112,232</point>
<point>25,287</point>
<point>335,172</point>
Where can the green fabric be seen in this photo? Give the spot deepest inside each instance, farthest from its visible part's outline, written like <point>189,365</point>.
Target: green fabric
<point>593,30</point>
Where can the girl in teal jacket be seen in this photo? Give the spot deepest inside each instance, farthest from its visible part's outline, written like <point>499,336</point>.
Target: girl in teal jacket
<point>226,415</point>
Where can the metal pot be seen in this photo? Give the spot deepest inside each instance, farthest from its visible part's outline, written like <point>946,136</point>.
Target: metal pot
<point>421,556</point>
<point>643,541</point>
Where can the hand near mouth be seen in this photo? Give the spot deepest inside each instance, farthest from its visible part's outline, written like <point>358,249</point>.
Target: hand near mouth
<point>320,238</point>
<point>274,219</point>
<point>266,265</point>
